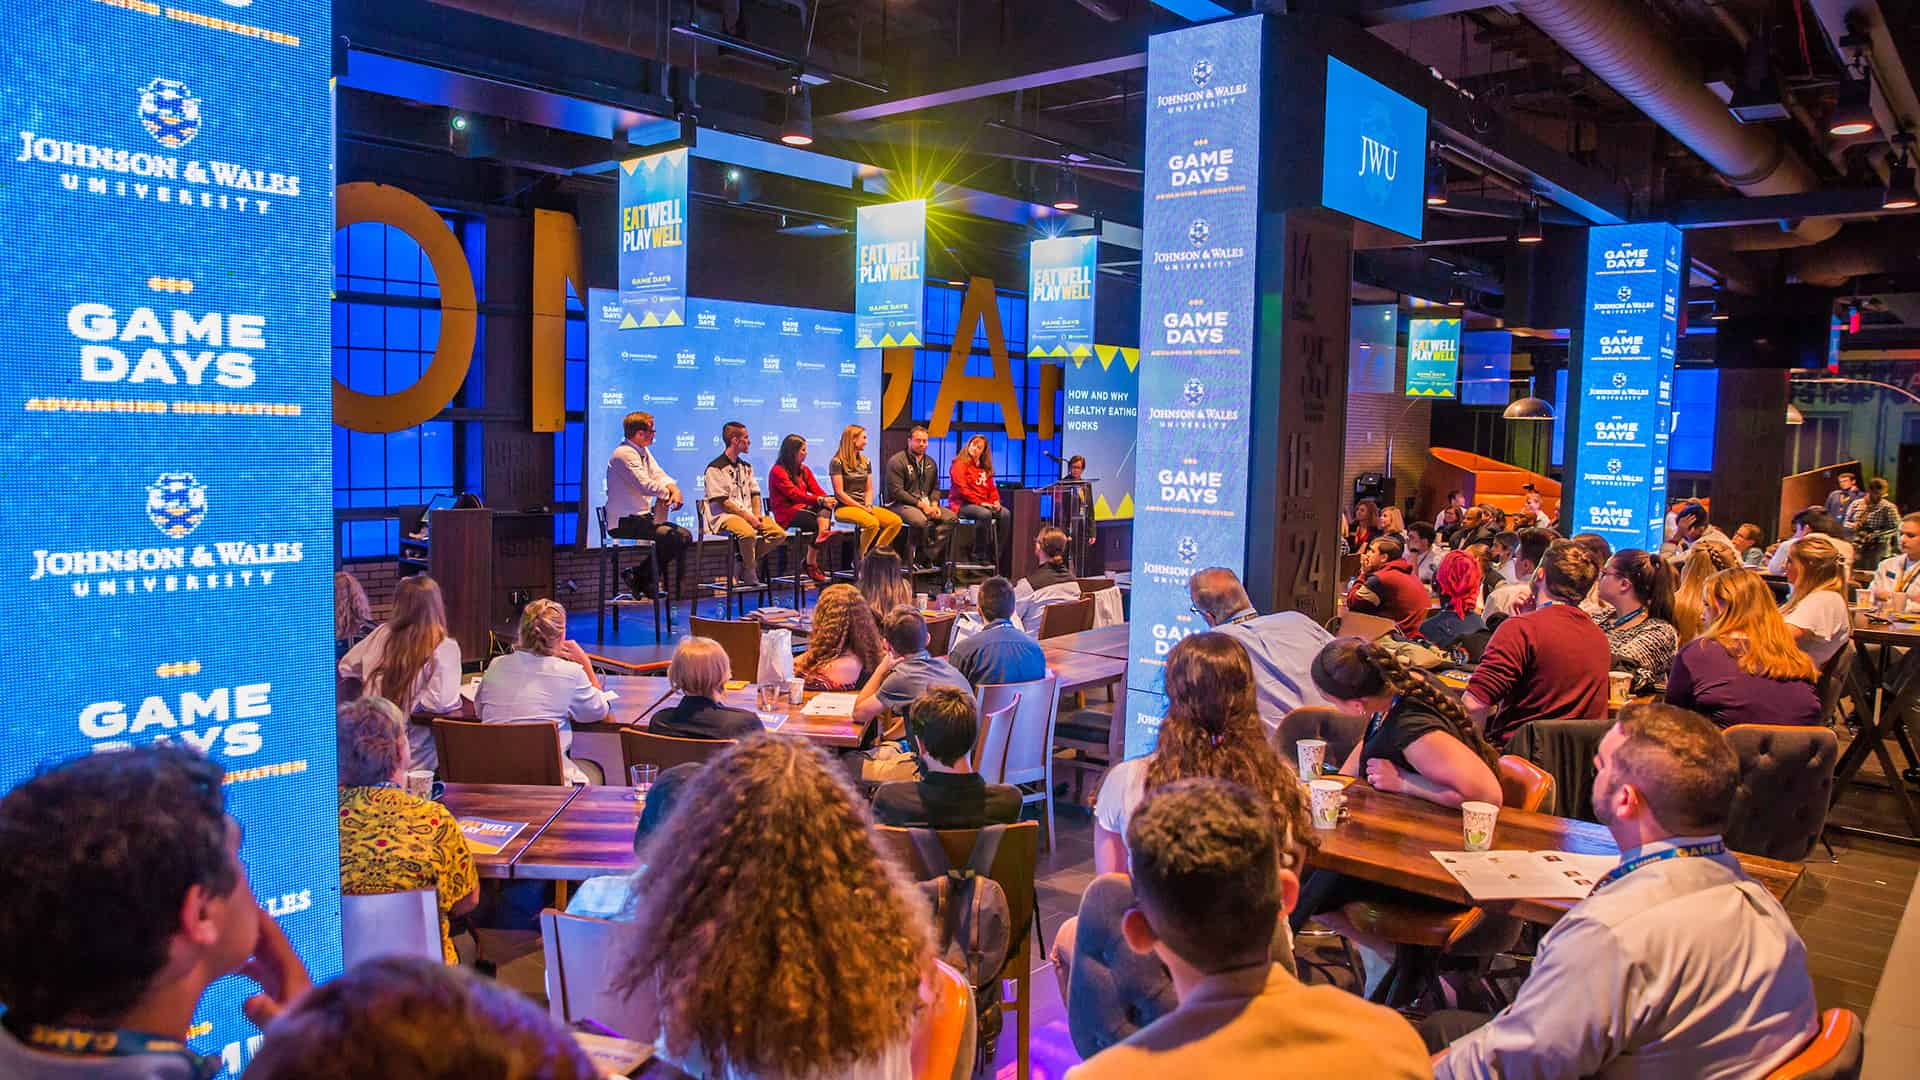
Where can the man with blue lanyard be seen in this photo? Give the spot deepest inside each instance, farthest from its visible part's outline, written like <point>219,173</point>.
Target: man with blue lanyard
<point>1281,645</point>
<point>1677,964</point>
<point>125,899</point>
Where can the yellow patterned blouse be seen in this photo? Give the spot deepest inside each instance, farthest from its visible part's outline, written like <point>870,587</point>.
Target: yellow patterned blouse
<point>391,841</point>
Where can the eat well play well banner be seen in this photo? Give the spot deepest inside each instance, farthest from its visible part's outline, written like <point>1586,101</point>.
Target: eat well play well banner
<point>653,239</point>
<point>1433,357</point>
<point>889,291</point>
<point>1060,300</point>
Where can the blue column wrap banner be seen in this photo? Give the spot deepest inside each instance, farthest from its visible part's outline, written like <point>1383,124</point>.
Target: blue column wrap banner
<point>1101,423</point>
<point>1060,300</point>
<point>168,430</point>
<point>1623,354</point>
<point>890,267</point>
<point>653,239</point>
<point>1433,357</point>
<point>1197,315</point>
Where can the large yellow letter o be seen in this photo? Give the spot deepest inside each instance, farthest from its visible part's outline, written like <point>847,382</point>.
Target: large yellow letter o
<point>453,353</point>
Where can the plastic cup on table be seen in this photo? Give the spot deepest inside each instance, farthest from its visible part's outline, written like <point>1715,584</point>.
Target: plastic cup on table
<point>1619,686</point>
<point>1312,754</point>
<point>642,777</point>
<point>1325,797</point>
<point>796,691</point>
<point>1476,824</point>
<point>1863,598</point>
<point>420,783</point>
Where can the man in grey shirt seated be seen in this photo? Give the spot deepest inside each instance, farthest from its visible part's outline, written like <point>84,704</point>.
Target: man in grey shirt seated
<point>1678,964</point>
<point>904,673</point>
<point>1281,645</point>
<point>1000,652</point>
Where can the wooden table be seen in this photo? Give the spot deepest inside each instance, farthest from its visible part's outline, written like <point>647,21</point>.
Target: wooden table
<point>1108,641</point>
<point>630,659</point>
<point>1889,678</point>
<point>591,835</point>
<point>533,804</point>
<point>1390,839</point>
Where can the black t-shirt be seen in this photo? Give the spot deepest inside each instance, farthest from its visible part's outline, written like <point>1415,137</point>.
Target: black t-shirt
<point>1389,735</point>
<point>1048,574</point>
<point>705,718</point>
<point>946,801</point>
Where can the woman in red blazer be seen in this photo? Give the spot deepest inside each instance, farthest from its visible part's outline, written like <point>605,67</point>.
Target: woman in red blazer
<point>972,494</point>
<point>798,502</point>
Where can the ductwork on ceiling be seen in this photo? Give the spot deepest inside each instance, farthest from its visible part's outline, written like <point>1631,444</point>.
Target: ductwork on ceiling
<point>1863,248</point>
<point>1618,42</point>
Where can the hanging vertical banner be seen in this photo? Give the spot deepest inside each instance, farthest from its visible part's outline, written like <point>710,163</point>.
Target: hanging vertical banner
<point>1060,279</point>
<point>1622,357</point>
<point>1373,350</point>
<point>890,289</point>
<point>1373,164</point>
<point>653,240</point>
<point>1101,424</point>
<point>1197,314</point>
<point>1433,357</point>
<point>168,422</point>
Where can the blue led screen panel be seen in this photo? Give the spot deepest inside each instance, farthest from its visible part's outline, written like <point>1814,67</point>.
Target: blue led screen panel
<point>1373,349</point>
<point>1101,424</point>
<point>1374,160</point>
<point>1486,367</point>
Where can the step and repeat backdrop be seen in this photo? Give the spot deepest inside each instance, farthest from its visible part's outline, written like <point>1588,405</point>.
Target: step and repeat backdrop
<point>166,389</point>
<point>778,370</point>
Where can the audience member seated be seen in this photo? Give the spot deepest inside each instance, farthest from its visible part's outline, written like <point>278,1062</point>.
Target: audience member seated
<point>1052,580</point>
<point>352,614</point>
<point>700,671</point>
<point>1476,527</point>
<point>1689,596</point>
<point>1366,525</point>
<point>609,896</point>
<point>1746,542</point>
<point>883,583</point>
<point>1422,554</point>
<point>1602,553</point>
<point>1511,597</point>
<point>1816,611</point>
<point>125,899</point>
<point>945,723</point>
<point>1280,646</point>
<point>1548,663</point>
<point>411,661</point>
<point>1504,544</point>
<point>545,677</point>
<point>1678,964</point>
<point>1419,742</point>
<point>1900,574</point>
<point>1393,523</point>
<point>1211,880</point>
<point>1874,523</point>
<point>1812,521</point>
<point>1459,583</point>
<point>1690,527</point>
<point>1387,588</point>
<point>1000,652</point>
<point>777,938</point>
<point>904,673</point>
<point>844,646</point>
<point>392,841</point>
<point>403,1018</point>
<point>1638,587</point>
<point>1746,668</point>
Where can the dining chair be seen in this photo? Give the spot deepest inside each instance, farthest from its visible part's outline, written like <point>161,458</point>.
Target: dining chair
<point>390,924</point>
<point>645,748</point>
<point>519,752</point>
<point>1834,1053</point>
<point>1018,745</point>
<point>1014,866</point>
<point>940,634</point>
<point>1786,786</point>
<point>739,637</point>
<point>1341,730</point>
<point>580,954</point>
<point>1070,617</point>
<point>945,1032</point>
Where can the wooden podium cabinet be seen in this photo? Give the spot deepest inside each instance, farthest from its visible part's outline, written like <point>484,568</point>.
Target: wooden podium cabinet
<point>489,564</point>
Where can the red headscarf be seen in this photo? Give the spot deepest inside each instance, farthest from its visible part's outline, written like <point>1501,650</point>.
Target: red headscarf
<point>1459,580</point>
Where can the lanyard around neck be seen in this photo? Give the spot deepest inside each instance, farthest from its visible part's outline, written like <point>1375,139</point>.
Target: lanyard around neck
<point>97,1043</point>
<point>1683,851</point>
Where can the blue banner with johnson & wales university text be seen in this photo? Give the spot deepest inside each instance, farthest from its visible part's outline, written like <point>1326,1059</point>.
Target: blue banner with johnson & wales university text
<point>889,291</point>
<point>653,239</point>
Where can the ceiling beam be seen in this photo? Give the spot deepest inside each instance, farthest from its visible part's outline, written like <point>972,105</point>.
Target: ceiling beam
<point>1859,202</point>
<point>1386,12</point>
<point>1091,69</point>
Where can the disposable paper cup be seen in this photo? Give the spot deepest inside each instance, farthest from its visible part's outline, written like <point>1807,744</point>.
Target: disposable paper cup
<point>1863,598</point>
<point>1619,685</point>
<point>796,691</point>
<point>1312,753</point>
<point>1476,821</point>
<point>1326,795</point>
<point>420,783</point>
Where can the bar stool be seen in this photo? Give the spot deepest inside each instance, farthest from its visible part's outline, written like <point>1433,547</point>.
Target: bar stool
<point>730,588</point>
<point>794,555</point>
<point>610,556</point>
<point>954,564</point>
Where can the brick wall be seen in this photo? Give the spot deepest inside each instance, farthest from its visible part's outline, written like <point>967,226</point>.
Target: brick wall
<point>1370,417</point>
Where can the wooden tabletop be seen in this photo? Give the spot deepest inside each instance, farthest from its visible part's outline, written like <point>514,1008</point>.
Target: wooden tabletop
<point>642,698</point>
<point>592,835</point>
<point>630,659</point>
<point>1079,671</point>
<point>1108,641</point>
<point>532,804</point>
<point>1899,632</point>
<point>1391,838</point>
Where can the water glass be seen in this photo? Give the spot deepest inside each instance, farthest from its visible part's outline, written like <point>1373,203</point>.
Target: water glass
<point>771,695</point>
<point>643,777</point>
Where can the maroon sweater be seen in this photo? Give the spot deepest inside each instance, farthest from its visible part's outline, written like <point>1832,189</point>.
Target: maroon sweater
<point>1392,592</point>
<point>1546,664</point>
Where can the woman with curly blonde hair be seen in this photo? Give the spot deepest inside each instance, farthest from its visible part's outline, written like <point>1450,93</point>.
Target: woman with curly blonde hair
<point>1707,558</point>
<point>845,644</point>
<point>777,939</point>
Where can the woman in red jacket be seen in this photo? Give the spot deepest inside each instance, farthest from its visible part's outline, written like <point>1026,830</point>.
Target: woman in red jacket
<point>972,494</point>
<point>798,502</point>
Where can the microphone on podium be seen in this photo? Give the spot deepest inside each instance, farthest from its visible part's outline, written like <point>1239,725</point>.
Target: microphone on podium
<point>1053,457</point>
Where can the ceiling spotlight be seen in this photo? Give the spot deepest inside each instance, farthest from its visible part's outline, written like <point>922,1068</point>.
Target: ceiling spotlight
<point>1529,231</point>
<point>1853,112</point>
<point>1900,176</point>
<point>1457,297</point>
<point>1437,181</point>
<point>1066,189</point>
<point>796,128</point>
<point>1716,313</point>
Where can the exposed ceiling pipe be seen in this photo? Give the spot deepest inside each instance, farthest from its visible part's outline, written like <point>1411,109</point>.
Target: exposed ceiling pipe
<point>1862,249</point>
<point>1617,41</point>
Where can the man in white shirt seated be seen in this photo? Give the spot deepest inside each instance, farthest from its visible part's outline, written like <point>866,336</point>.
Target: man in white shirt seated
<point>733,504</point>
<point>1422,551</point>
<point>640,494</point>
<point>1510,597</point>
<point>1900,575</point>
<point>1281,645</point>
<point>1678,964</point>
<point>1690,526</point>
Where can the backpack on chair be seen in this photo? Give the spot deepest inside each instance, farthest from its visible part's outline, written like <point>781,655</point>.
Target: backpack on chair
<point>972,921</point>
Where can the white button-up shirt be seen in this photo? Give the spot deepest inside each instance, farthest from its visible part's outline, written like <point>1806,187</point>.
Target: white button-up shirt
<point>436,690</point>
<point>529,686</point>
<point>1684,967</point>
<point>634,480</point>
